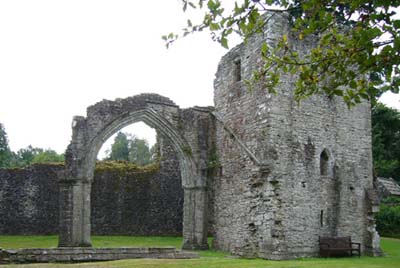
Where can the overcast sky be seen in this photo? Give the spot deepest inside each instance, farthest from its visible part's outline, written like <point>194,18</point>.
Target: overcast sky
<point>59,57</point>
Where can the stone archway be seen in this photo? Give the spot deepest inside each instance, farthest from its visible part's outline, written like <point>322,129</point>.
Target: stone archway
<point>103,120</point>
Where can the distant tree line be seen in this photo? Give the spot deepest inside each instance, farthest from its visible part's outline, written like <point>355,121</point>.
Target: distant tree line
<point>125,147</point>
<point>26,156</point>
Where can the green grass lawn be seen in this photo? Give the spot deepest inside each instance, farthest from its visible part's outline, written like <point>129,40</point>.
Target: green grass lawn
<point>209,258</point>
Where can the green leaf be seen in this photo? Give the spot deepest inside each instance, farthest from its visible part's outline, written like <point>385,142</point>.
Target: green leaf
<point>353,84</point>
<point>211,5</point>
<point>396,24</point>
<point>264,49</point>
<point>214,26</point>
<point>338,92</point>
<point>224,42</point>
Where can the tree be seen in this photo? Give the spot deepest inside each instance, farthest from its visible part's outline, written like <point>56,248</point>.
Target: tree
<point>30,155</point>
<point>48,156</point>
<point>130,148</point>
<point>139,152</point>
<point>120,148</point>
<point>24,157</point>
<point>386,141</point>
<point>356,54</point>
<point>5,152</point>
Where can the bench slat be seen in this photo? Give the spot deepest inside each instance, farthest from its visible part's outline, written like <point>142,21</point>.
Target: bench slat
<point>338,246</point>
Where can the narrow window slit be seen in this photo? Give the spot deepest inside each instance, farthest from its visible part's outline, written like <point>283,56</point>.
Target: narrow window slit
<point>321,218</point>
<point>324,163</point>
<point>238,70</point>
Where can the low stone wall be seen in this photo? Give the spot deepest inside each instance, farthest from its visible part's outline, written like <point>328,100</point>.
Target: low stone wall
<point>125,200</point>
<point>38,255</point>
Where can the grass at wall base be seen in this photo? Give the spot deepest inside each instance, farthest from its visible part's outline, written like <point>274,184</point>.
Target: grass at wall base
<point>209,258</point>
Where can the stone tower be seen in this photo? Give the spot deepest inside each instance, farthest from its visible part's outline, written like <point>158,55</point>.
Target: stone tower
<point>289,172</point>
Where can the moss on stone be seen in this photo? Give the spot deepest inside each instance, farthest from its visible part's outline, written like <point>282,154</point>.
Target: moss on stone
<point>213,159</point>
<point>35,165</point>
<point>123,168</point>
<point>187,150</point>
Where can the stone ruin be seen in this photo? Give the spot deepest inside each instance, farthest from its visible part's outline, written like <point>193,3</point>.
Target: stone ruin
<point>189,131</point>
<point>289,172</point>
<point>266,174</point>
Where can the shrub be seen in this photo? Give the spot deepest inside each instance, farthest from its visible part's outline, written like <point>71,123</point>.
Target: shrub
<point>388,218</point>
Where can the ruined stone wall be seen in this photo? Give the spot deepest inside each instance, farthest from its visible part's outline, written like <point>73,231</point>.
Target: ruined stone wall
<point>289,172</point>
<point>139,203</point>
<point>29,200</point>
<point>125,201</point>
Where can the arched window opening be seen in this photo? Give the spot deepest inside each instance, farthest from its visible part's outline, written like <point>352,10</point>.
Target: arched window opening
<point>135,143</point>
<point>324,163</point>
<point>138,171</point>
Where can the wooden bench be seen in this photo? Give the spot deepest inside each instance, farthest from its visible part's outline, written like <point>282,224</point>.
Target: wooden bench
<point>338,247</point>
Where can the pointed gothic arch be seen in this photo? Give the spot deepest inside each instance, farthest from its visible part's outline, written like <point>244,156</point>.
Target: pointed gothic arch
<point>103,120</point>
